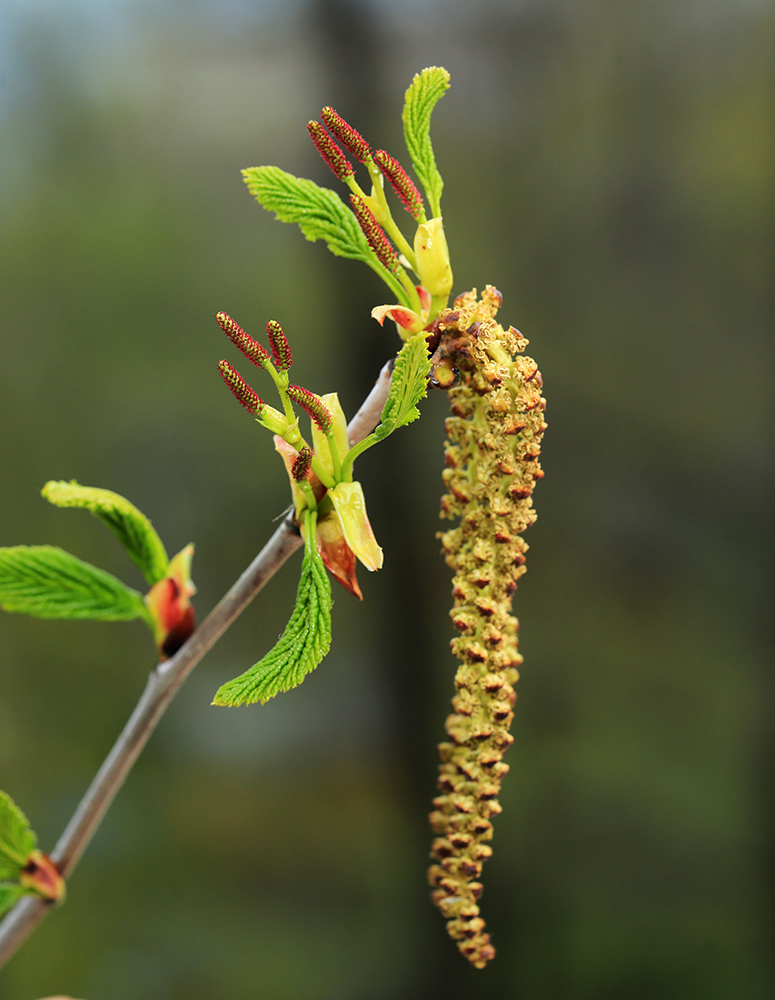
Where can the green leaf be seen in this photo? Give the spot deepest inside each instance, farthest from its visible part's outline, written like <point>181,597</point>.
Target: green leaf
<point>47,582</point>
<point>408,385</point>
<point>319,212</point>
<point>427,88</point>
<point>17,840</point>
<point>128,524</point>
<point>10,894</point>
<point>299,649</point>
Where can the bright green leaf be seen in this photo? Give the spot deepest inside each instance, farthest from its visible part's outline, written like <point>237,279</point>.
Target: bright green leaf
<point>47,582</point>
<point>318,212</point>
<point>299,649</point>
<point>408,385</point>
<point>10,894</point>
<point>427,88</point>
<point>17,840</point>
<point>128,524</point>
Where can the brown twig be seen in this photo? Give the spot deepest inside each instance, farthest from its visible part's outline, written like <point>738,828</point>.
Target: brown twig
<point>163,684</point>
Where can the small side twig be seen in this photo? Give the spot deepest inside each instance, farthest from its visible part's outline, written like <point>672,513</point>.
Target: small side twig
<point>162,686</point>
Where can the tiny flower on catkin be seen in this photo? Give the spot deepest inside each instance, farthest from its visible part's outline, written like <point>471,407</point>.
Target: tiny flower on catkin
<point>375,235</point>
<point>330,152</point>
<point>352,140</point>
<point>281,351</point>
<point>402,183</point>
<point>251,348</point>
<point>249,398</point>
<point>312,405</point>
<point>41,876</point>
<point>169,604</point>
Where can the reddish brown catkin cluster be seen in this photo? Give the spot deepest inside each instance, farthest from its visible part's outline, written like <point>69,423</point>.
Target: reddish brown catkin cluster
<point>494,437</point>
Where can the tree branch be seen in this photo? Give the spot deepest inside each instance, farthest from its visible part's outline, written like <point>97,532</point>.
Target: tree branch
<point>163,684</point>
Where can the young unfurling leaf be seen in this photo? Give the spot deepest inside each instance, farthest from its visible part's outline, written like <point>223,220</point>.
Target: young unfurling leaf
<point>408,386</point>
<point>10,894</point>
<point>302,645</point>
<point>24,870</point>
<point>128,524</point>
<point>47,582</point>
<point>427,88</point>
<point>319,212</point>
<point>17,840</point>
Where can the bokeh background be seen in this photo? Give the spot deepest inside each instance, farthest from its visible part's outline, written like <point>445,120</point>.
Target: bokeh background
<point>608,166</point>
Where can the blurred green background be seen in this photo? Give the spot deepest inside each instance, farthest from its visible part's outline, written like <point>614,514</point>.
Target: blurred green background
<point>608,166</point>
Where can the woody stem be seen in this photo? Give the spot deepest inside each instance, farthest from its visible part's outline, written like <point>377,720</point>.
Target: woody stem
<point>163,684</point>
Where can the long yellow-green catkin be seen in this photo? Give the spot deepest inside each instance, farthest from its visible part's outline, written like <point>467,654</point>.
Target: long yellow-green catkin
<point>494,436</point>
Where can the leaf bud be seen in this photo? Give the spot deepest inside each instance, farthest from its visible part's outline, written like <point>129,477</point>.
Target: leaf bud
<point>41,876</point>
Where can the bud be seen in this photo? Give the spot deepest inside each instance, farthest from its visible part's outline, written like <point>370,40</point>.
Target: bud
<point>330,152</point>
<point>430,248</point>
<point>169,605</point>
<point>351,140</point>
<point>41,876</point>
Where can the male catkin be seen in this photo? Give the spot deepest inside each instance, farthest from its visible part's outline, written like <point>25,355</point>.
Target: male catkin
<point>494,437</point>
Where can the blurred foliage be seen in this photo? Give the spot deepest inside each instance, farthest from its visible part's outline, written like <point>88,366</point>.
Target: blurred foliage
<point>609,167</point>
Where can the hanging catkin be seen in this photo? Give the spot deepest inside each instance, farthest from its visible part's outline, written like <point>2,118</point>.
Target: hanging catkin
<point>494,436</point>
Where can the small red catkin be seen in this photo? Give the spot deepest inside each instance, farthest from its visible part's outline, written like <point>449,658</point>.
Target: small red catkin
<point>375,235</point>
<point>242,391</point>
<point>313,406</point>
<point>281,351</point>
<point>402,183</point>
<point>330,152</point>
<point>352,141</point>
<point>301,465</point>
<point>252,350</point>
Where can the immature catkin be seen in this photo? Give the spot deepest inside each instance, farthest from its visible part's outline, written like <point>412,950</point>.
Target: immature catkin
<point>349,137</point>
<point>494,436</point>
<point>375,235</point>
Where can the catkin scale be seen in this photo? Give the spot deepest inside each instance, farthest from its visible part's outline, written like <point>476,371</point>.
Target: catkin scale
<point>494,434</point>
